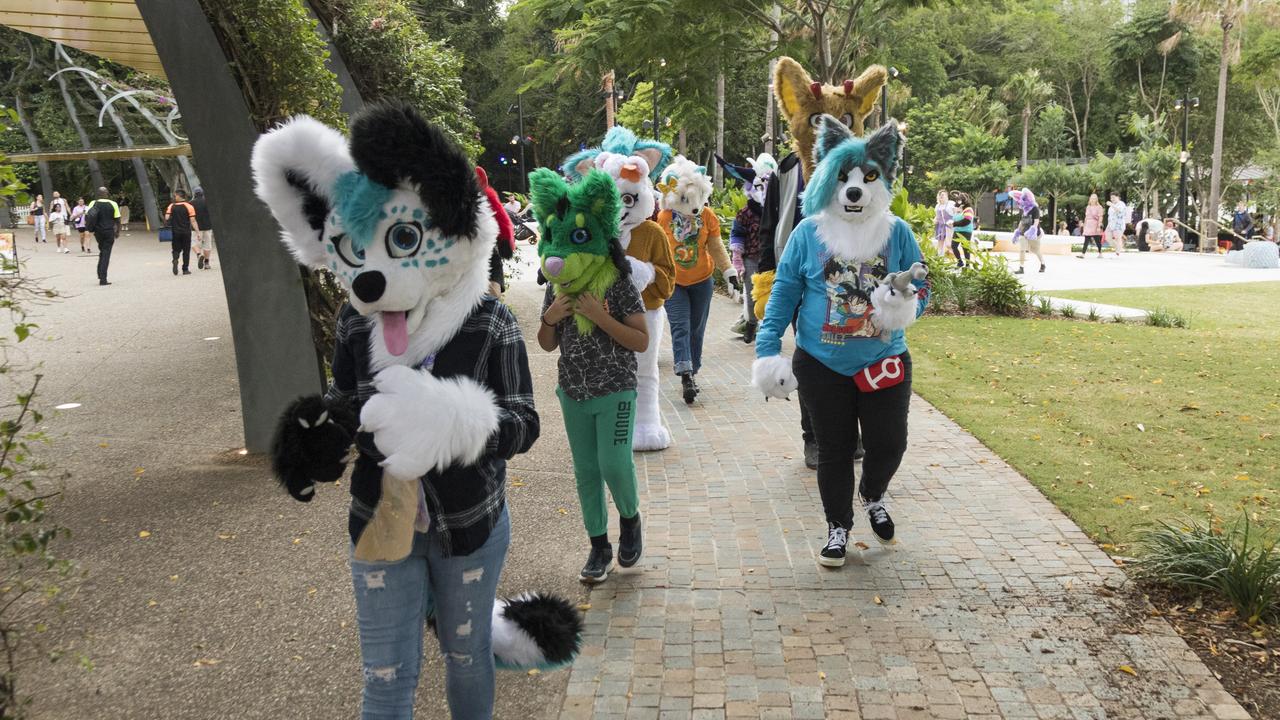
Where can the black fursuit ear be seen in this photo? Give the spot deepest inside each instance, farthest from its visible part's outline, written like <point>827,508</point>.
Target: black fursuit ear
<point>831,132</point>
<point>391,143</point>
<point>885,147</point>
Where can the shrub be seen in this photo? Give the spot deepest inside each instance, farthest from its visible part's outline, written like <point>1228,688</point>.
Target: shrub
<point>1117,318</point>
<point>1241,565</point>
<point>963,289</point>
<point>998,290</point>
<point>1068,311</point>
<point>1163,317</point>
<point>1094,316</point>
<point>1044,306</point>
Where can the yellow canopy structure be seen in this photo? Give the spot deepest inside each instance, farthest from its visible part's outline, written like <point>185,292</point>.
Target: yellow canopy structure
<point>112,29</point>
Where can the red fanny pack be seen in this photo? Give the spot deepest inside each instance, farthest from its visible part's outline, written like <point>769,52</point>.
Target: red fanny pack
<point>884,374</point>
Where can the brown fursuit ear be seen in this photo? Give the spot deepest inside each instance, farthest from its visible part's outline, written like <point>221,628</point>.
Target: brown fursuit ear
<point>792,86</point>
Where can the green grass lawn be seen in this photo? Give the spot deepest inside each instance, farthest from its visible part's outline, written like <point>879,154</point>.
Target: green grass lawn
<point>1121,425</point>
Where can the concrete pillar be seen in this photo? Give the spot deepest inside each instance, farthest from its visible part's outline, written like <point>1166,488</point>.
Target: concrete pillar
<point>270,324</point>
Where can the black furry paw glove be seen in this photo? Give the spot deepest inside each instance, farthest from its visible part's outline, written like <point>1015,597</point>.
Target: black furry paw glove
<point>311,445</point>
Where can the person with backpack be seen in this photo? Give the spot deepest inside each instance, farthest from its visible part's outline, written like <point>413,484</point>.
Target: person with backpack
<point>963,223</point>
<point>102,220</point>
<point>203,235</point>
<point>180,216</point>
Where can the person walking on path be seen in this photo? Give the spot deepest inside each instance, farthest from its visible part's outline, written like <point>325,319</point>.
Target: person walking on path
<point>963,223</point>
<point>1092,225</point>
<point>1027,236</point>
<point>102,219</point>
<point>943,230</point>
<point>77,219</point>
<point>38,220</point>
<point>204,233</point>
<point>181,218</point>
<point>1117,216</point>
<point>594,315</point>
<point>58,217</point>
<point>693,230</point>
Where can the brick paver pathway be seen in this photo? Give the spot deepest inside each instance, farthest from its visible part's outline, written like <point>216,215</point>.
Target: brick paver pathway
<point>993,603</point>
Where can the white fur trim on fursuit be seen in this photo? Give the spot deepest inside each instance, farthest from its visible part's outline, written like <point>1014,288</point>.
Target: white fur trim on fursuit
<point>315,154</point>
<point>856,242</point>
<point>892,310</point>
<point>772,376</point>
<point>421,422</point>
<point>512,646</point>
<point>642,273</point>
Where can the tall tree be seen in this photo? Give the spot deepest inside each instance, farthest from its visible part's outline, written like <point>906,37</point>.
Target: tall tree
<point>1227,14</point>
<point>1029,91</point>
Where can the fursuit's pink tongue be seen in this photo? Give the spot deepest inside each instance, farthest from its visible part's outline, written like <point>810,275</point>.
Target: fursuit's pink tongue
<point>395,332</point>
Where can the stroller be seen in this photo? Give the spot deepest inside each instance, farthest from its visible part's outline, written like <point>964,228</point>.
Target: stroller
<point>526,228</point>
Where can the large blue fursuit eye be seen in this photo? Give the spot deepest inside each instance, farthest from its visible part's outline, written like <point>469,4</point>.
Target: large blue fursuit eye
<point>403,239</point>
<point>580,236</point>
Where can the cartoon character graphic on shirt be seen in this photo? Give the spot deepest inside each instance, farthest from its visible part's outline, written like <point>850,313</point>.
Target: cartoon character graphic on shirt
<point>849,287</point>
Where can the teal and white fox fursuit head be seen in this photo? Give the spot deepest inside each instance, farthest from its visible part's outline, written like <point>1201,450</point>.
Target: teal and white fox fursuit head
<point>396,213</point>
<point>852,187</point>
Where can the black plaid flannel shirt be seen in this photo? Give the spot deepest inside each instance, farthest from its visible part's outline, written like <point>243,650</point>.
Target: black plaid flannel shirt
<point>464,502</point>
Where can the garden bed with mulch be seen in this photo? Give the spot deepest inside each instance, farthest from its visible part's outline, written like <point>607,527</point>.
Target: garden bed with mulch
<point>1245,658</point>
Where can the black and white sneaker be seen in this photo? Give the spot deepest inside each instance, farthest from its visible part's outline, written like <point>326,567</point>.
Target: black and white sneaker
<point>630,542</point>
<point>833,554</point>
<point>881,523</point>
<point>596,570</point>
<point>811,455</point>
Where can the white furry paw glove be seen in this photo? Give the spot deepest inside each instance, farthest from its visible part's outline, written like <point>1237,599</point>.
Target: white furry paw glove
<point>642,273</point>
<point>893,309</point>
<point>734,284</point>
<point>420,422</point>
<point>772,376</point>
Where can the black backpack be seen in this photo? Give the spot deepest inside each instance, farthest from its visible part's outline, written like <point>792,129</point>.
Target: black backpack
<point>92,217</point>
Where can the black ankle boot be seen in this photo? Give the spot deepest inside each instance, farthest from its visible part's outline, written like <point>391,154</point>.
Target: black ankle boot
<point>690,388</point>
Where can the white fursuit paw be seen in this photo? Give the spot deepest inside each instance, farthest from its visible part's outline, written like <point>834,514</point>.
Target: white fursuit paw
<point>893,309</point>
<point>772,376</point>
<point>651,437</point>
<point>642,273</point>
<point>422,423</point>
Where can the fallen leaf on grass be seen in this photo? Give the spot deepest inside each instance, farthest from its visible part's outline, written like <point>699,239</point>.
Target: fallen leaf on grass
<point>1140,427</point>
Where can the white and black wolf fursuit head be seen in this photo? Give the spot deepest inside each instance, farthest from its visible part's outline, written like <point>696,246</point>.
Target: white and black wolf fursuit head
<point>398,215</point>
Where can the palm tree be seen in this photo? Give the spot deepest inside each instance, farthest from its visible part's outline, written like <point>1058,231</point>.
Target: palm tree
<point>1030,91</point>
<point>1227,14</point>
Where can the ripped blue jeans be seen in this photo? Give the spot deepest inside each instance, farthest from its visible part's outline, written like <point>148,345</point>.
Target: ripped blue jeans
<point>393,602</point>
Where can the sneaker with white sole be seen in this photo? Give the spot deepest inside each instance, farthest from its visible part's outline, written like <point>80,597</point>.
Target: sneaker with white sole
<point>596,570</point>
<point>837,540</point>
<point>881,523</point>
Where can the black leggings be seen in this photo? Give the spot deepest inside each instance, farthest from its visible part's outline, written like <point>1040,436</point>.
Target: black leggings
<point>1096,240</point>
<point>836,406</point>
<point>957,248</point>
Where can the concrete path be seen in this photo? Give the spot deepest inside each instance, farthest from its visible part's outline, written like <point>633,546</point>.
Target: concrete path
<point>1108,313</point>
<point>1136,269</point>
<point>237,603</point>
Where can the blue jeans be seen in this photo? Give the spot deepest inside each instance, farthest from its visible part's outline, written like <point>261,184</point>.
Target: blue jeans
<point>394,600</point>
<point>687,310</point>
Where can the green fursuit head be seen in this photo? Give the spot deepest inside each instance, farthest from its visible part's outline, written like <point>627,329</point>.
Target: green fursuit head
<point>579,251</point>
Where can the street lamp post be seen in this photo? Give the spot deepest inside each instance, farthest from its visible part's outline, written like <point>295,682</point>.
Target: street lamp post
<point>657,122</point>
<point>520,139</point>
<point>1184,104</point>
<point>884,96</point>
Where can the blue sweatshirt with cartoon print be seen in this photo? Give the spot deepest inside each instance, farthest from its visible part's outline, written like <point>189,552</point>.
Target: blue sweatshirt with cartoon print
<point>834,322</point>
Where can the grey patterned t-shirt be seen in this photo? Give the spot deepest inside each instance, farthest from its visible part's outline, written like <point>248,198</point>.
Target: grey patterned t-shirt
<point>595,365</point>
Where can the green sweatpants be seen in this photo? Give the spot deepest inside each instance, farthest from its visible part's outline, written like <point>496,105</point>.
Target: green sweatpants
<point>600,431</point>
